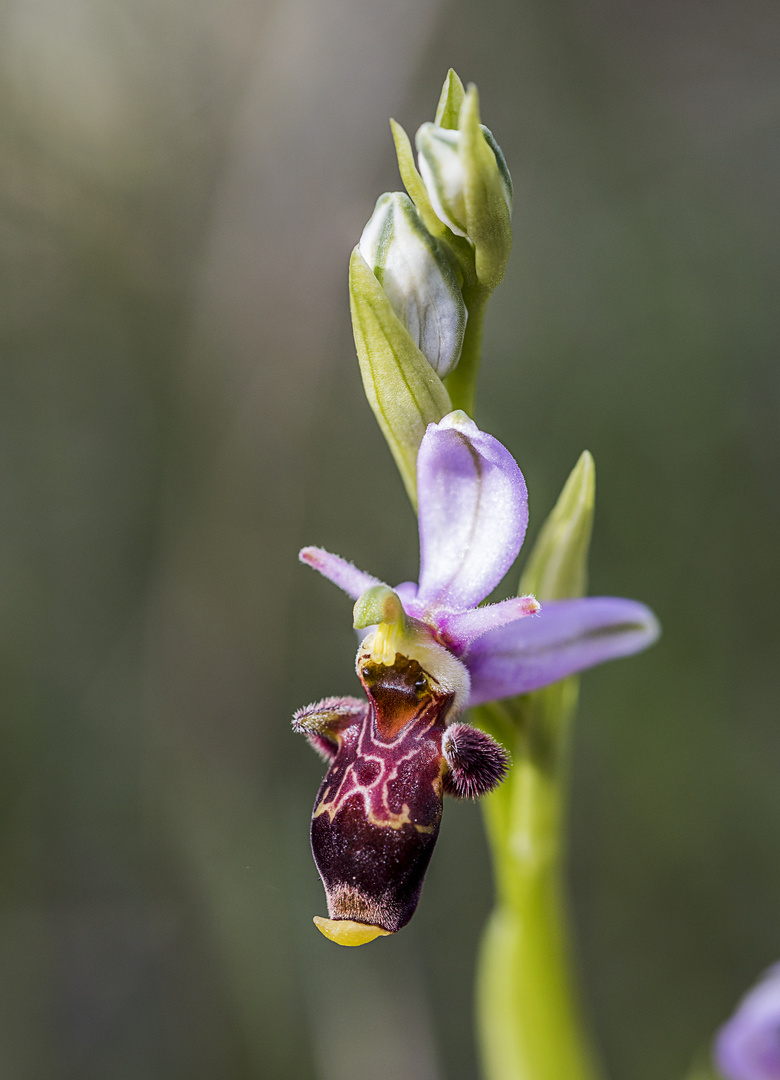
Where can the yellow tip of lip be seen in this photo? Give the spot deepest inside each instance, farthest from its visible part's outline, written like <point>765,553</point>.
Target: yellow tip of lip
<point>346,932</point>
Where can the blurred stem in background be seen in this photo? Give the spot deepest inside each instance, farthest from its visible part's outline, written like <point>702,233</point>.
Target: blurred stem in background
<point>529,1020</point>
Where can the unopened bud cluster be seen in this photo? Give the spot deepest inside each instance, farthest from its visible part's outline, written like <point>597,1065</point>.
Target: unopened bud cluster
<point>426,264</point>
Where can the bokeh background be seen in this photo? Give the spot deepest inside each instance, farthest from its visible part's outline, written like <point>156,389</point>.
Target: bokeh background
<point>181,410</point>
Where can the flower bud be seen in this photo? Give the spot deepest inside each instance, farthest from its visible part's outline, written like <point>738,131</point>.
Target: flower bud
<point>469,186</point>
<point>417,279</point>
<point>444,172</point>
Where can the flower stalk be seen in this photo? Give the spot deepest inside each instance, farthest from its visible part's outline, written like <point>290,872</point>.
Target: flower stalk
<point>461,384</point>
<point>426,264</point>
<point>529,1018</point>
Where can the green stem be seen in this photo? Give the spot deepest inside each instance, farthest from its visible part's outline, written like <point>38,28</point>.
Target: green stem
<point>462,383</point>
<point>528,1013</point>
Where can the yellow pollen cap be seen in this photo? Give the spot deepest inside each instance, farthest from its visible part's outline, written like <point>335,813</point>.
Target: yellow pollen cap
<point>346,932</point>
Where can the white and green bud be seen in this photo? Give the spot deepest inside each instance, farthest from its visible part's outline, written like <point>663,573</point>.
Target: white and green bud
<point>444,173</point>
<point>468,184</point>
<point>417,278</point>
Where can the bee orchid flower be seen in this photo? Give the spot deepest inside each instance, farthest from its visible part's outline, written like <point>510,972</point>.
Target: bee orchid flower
<point>430,650</point>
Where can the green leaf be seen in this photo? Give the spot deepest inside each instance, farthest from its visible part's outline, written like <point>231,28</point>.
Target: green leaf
<point>448,109</point>
<point>557,566</point>
<point>402,388</point>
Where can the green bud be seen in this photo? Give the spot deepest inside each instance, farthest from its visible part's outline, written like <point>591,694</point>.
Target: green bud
<point>557,566</point>
<point>458,249</point>
<point>468,184</point>
<point>417,278</point>
<point>402,388</point>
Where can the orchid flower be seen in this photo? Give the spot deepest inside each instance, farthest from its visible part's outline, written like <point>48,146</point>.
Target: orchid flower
<point>429,652</point>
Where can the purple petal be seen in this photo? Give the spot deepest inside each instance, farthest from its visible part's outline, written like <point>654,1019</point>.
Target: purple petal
<point>463,628</point>
<point>748,1045</point>
<point>354,582</point>
<point>566,637</point>
<point>473,512</point>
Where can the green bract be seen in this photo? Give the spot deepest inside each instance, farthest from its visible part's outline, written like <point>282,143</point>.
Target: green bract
<point>402,388</point>
<point>417,278</point>
<point>450,101</point>
<point>557,566</point>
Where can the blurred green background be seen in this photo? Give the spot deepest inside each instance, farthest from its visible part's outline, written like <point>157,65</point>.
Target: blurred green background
<point>182,410</point>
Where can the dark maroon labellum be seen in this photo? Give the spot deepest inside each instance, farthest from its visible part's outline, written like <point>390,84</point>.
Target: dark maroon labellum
<point>378,809</point>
